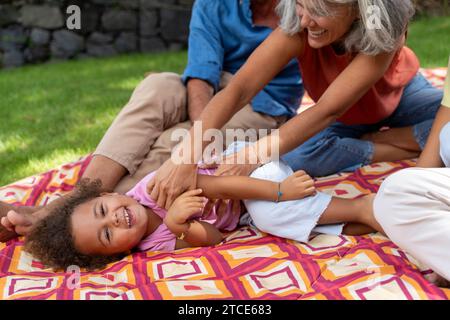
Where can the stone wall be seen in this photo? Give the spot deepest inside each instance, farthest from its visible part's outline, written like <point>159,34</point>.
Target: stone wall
<point>432,7</point>
<point>33,31</point>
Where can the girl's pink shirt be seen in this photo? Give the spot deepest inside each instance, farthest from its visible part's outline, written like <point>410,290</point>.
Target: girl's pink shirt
<point>162,239</point>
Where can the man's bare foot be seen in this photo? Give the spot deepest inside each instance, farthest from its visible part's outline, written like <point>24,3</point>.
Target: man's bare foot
<point>22,219</point>
<point>7,230</point>
<point>6,234</point>
<point>17,223</point>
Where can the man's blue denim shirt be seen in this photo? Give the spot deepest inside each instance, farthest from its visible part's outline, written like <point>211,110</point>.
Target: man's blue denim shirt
<point>222,37</point>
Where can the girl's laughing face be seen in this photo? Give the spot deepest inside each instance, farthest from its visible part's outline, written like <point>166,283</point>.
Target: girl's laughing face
<point>107,225</point>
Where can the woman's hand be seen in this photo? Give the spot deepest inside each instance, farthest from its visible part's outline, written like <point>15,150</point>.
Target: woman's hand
<point>185,206</point>
<point>241,163</point>
<point>298,186</point>
<point>170,181</point>
<point>237,164</point>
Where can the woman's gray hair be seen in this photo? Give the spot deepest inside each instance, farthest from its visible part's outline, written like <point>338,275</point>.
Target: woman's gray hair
<point>379,29</point>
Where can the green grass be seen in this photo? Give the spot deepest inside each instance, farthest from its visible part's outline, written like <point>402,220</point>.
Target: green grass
<point>54,113</point>
<point>430,40</point>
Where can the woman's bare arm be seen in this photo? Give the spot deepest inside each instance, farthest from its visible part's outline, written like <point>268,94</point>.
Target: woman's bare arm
<point>430,157</point>
<point>261,67</point>
<point>352,84</point>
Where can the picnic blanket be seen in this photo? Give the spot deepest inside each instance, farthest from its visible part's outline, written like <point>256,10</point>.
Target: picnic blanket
<point>249,264</point>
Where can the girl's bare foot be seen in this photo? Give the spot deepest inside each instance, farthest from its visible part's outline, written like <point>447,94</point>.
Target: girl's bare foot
<point>367,214</point>
<point>367,223</point>
<point>357,211</point>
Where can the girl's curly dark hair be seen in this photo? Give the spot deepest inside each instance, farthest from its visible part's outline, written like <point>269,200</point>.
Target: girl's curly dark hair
<point>51,240</point>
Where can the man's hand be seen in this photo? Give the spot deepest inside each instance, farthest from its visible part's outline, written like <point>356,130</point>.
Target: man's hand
<point>236,164</point>
<point>170,181</point>
<point>297,186</point>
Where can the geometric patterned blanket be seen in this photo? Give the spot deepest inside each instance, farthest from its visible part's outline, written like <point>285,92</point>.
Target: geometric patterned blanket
<point>249,264</point>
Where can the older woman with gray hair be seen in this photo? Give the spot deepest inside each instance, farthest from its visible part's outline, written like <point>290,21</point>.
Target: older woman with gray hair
<point>357,69</point>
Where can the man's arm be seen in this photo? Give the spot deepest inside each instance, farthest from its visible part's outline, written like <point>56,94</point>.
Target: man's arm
<point>205,56</point>
<point>199,93</point>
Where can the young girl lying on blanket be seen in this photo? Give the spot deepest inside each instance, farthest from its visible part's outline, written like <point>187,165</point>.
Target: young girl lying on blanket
<point>92,229</point>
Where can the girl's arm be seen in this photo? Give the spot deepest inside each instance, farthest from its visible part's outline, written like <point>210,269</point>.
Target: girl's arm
<point>297,186</point>
<point>199,233</point>
<point>430,157</point>
<point>190,232</point>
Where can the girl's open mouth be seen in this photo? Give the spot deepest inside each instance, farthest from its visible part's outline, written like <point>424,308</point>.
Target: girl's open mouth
<point>129,217</point>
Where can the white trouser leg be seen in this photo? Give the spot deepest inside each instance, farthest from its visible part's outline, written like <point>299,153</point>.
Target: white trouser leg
<point>413,207</point>
<point>444,138</point>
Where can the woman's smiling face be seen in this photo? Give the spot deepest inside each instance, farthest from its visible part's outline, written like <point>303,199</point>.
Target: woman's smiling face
<point>107,225</point>
<point>325,30</point>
